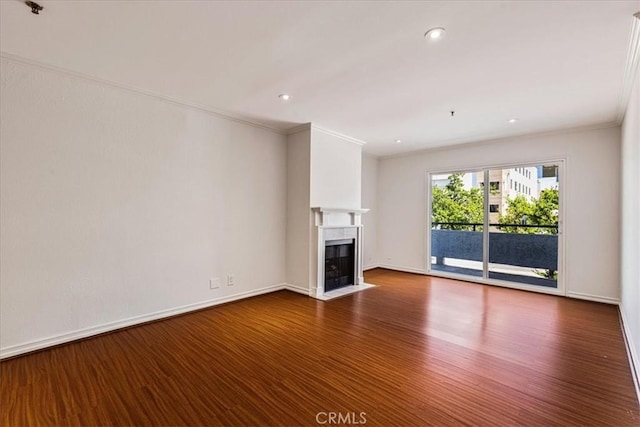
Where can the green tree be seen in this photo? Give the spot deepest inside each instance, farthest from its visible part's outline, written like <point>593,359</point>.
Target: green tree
<point>455,204</point>
<point>540,211</point>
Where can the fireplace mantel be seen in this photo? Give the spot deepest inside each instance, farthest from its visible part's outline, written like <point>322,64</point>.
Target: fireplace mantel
<point>325,216</point>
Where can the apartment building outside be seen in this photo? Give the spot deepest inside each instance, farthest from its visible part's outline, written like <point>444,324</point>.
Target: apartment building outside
<point>507,184</point>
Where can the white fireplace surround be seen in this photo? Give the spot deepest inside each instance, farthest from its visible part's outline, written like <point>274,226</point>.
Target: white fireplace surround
<point>337,224</point>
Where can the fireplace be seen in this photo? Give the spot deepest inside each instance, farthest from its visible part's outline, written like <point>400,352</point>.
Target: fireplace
<point>339,252</point>
<point>339,264</point>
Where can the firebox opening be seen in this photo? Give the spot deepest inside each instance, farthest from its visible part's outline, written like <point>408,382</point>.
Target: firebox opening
<point>339,264</point>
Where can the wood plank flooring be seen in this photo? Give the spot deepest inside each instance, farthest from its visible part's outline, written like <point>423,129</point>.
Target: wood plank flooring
<point>413,351</point>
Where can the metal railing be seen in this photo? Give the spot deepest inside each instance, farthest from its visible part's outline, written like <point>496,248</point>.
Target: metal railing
<point>472,226</point>
<point>517,249</point>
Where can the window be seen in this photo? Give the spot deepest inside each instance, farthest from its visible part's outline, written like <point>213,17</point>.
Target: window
<point>494,185</point>
<point>511,184</point>
<point>494,208</point>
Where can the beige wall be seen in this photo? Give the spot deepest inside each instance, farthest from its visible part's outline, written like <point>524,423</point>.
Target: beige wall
<point>370,219</point>
<point>118,207</point>
<point>591,190</point>
<point>298,212</point>
<point>630,179</point>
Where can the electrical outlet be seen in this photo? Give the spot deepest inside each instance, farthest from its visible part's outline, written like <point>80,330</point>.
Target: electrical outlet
<point>230,280</point>
<point>214,283</point>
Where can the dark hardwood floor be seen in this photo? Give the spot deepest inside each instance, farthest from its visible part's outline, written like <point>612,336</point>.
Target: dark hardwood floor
<point>413,351</point>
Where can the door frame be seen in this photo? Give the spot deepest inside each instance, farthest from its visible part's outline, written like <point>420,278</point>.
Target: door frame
<point>561,289</point>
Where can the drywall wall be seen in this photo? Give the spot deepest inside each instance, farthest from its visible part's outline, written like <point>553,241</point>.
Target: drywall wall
<point>336,167</point>
<point>117,207</point>
<point>323,169</point>
<point>630,265</point>
<point>591,190</point>
<point>298,209</point>
<point>369,201</point>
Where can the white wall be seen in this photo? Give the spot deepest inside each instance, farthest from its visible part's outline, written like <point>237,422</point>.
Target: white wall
<point>335,171</point>
<point>630,177</point>
<point>591,189</point>
<point>116,206</point>
<point>323,169</point>
<point>298,209</point>
<point>369,220</point>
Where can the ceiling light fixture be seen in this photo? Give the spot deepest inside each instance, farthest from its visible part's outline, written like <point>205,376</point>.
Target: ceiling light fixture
<point>398,141</point>
<point>512,120</point>
<point>435,33</point>
<point>284,97</point>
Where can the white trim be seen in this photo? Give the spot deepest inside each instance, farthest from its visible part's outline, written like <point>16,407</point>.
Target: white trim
<point>426,219</point>
<point>311,126</point>
<point>370,267</point>
<point>486,218</point>
<point>338,135</point>
<point>347,290</point>
<point>482,141</point>
<point>297,129</point>
<point>139,91</point>
<point>339,210</point>
<point>506,165</point>
<point>591,297</point>
<point>493,282</point>
<point>634,361</point>
<point>402,268</point>
<point>630,68</point>
<point>296,289</point>
<point>16,350</point>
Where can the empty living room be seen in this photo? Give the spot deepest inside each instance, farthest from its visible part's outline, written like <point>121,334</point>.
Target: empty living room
<point>319,213</point>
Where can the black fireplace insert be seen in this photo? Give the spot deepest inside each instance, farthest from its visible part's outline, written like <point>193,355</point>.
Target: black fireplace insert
<point>339,264</point>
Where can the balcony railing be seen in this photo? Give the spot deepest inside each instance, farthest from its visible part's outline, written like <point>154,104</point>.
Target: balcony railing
<point>534,251</point>
<point>471,226</point>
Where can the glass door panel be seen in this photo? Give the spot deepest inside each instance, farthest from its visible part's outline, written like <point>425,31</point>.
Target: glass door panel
<point>457,213</point>
<point>497,224</point>
<point>523,225</point>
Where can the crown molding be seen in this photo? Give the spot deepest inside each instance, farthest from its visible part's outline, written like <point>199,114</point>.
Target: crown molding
<point>488,141</point>
<point>338,135</point>
<point>630,69</point>
<point>311,126</point>
<point>132,89</point>
<point>297,129</point>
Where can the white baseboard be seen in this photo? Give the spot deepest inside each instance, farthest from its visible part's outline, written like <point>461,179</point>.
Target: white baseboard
<point>370,267</point>
<point>403,269</point>
<point>596,298</point>
<point>634,361</point>
<point>40,344</point>
<point>297,289</point>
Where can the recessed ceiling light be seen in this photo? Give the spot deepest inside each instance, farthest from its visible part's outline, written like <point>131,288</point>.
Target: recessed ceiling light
<point>435,33</point>
<point>398,141</point>
<point>512,120</point>
<point>284,97</point>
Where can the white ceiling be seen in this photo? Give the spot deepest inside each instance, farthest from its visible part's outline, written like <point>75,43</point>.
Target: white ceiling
<point>360,68</point>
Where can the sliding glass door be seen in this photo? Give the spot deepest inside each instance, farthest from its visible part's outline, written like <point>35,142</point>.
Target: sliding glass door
<point>497,225</point>
<point>457,215</point>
